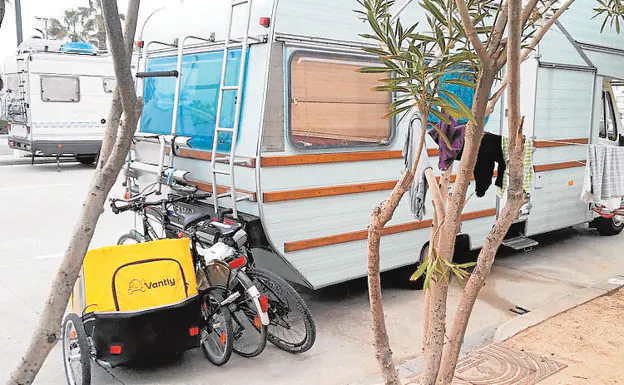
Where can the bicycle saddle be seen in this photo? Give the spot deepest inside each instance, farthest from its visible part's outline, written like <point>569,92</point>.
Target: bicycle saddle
<point>190,219</point>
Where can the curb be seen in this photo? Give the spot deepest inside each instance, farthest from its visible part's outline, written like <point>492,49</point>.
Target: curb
<point>560,305</point>
<point>12,161</point>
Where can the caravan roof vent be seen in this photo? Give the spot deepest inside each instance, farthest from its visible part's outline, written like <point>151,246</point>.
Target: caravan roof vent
<point>79,47</point>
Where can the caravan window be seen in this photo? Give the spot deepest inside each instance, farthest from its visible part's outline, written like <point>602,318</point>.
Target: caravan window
<point>60,89</point>
<point>333,105</point>
<point>608,128</point>
<point>109,85</point>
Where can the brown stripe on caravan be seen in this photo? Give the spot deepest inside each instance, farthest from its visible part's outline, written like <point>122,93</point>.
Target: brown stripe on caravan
<point>558,166</point>
<point>340,157</point>
<point>207,155</point>
<point>292,160</point>
<point>289,195</point>
<point>318,192</point>
<point>363,234</point>
<point>560,142</point>
<point>207,187</point>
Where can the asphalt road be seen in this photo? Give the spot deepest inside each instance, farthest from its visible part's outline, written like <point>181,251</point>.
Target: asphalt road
<point>39,209</point>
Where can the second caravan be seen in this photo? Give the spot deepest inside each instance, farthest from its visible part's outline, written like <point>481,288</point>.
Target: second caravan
<point>58,98</point>
<point>286,133</point>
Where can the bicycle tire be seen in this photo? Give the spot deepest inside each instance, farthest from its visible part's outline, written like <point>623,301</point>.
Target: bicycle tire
<point>282,299</point>
<point>80,337</point>
<point>211,307</point>
<point>245,317</point>
<point>129,238</point>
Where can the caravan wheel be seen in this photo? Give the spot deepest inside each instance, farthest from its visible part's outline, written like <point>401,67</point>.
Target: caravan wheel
<point>76,352</point>
<point>86,159</point>
<point>609,226</point>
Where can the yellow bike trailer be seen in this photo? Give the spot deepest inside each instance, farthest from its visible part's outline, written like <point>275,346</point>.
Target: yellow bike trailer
<point>136,301</point>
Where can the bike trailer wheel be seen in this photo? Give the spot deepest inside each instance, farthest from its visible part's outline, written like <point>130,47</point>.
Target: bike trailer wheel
<point>216,336</point>
<point>291,326</point>
<point>76,351</point>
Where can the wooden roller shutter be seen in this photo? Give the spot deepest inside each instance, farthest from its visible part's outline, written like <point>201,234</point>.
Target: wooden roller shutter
<point>330,99</point>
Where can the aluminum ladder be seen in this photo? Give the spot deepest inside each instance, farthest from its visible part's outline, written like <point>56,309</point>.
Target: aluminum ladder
<point>21,83</point>
<point>229,159</point>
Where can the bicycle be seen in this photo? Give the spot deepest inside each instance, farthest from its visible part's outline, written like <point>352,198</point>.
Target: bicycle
<point>249,309</point>
<point>291,326</point>
<point>288,312</point>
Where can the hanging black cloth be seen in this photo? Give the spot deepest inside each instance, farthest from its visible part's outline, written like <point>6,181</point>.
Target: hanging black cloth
<point>490,152</point>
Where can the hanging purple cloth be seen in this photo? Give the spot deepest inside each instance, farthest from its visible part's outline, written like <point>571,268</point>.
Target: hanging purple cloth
<point>455,134</point>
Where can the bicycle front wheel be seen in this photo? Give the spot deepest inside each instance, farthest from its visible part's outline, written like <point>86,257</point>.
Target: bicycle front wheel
<point>291,326</point>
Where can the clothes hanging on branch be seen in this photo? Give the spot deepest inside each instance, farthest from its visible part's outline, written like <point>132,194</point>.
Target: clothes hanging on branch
<point>490,153</point>
<point>527,166</point>
<point>418,189</point>
<point>603,183</point>
<point>454,132</point>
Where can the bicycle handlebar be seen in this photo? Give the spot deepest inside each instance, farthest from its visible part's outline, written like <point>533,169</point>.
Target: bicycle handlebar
<point>137,204</point>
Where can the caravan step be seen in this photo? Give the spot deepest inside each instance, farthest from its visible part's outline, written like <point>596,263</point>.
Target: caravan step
<point>520,243</point>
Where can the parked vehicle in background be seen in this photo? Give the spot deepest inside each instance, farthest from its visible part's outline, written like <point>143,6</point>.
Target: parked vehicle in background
<point>57,97</point>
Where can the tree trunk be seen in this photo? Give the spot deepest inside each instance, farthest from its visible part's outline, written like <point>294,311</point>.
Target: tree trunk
<point>439,289</point>
<point>2,10</point>
<point>381,215</point>
<point>47,331</point>
<point>114,116</point>
<point>515,199</point>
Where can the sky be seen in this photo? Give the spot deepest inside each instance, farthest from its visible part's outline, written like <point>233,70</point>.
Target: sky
<point>53,8</point>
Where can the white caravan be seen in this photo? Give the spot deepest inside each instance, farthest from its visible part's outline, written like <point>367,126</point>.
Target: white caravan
<point>58,98</point>
<point>291,137</point>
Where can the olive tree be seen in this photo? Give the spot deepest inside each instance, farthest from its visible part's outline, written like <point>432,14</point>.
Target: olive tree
<point>477,39</point>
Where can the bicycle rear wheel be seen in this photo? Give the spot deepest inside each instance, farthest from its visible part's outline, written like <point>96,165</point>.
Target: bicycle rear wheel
<point>291,326</point>
<point>216,336</point>
<point>250,335</point>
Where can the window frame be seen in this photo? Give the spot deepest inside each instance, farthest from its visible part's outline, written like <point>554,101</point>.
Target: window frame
<point>78,93</point>
<point>289,97</point>
<point>611,111</point>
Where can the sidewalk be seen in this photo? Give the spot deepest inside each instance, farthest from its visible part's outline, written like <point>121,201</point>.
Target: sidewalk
<point>583,345</point>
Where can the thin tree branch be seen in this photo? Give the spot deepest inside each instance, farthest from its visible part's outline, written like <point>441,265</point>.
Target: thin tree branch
<point>499,29</point>
<point>528,11</point>
<point>527,51</point>
<point>471,32</point>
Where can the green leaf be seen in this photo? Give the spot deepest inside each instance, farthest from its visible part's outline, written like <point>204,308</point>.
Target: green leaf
<point>460,82</point>
<point>430,268</point>
<point>467,114</point>
<point>374,70</point>
<point>466,265</point>
<point>419,272</point>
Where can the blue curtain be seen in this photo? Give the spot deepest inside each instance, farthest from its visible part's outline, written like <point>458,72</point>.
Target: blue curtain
<point>199,92</point>
<point>465,94</point>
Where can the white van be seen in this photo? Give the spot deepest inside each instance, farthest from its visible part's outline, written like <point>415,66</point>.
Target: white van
<point>290,136</point>
<point>58,98</point>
